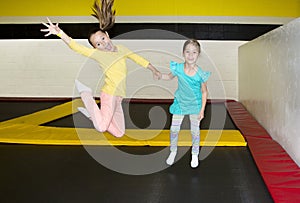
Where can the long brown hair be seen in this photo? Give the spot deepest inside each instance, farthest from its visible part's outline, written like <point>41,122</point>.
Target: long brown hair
<point>104,13</point>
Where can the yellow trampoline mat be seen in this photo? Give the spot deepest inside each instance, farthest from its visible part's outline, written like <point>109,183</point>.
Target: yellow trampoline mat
<point>27,130</point>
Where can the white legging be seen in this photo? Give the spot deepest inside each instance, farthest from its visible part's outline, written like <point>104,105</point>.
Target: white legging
<point>195,131</point>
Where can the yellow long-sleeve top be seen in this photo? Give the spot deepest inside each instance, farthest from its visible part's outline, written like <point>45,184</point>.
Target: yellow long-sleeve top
<point>113,65</point>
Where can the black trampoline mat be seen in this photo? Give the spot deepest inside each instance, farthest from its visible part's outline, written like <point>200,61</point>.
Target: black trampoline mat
<point>32,173</point>
<point>43,173</point>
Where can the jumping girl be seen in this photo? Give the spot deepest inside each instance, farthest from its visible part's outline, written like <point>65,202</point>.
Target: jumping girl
<point>112,59</point>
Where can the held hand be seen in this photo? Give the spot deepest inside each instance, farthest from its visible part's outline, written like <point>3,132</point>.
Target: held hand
<point>156,75</point>
<point>155,72</point>
<point>51,28</point>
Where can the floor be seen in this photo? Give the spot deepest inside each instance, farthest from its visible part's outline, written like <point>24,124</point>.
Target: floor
<point>42,173</point>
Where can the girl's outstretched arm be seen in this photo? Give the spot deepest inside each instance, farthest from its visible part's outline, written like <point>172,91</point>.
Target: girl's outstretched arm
<point>55,30</point>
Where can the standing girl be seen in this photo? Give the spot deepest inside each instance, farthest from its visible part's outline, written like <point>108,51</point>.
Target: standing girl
<point>190,98</point>
<point>112,59</point>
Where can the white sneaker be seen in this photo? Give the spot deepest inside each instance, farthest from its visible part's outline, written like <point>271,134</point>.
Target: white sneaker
<point>81,87</point>
<point>171,158</point>
<point>84,112</point>
<point>195,161</point>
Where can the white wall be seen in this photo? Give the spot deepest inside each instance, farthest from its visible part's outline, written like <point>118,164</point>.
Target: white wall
<point>269,84</point>
<point>47,68</point>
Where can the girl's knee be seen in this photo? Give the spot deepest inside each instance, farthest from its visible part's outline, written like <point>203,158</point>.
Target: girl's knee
<point>118,134</point>
<point>101,126</point>
<point>101,129</point>
<point>175,129</point>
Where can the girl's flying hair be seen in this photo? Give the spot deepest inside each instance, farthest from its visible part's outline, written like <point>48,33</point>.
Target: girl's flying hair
<point>104,13</point>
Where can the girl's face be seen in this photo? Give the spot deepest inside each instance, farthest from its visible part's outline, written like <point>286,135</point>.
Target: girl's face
<point>101,41</point>
<point>191,54</point>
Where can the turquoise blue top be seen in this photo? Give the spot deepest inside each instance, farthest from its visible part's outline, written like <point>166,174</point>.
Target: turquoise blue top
<point>188,96</point>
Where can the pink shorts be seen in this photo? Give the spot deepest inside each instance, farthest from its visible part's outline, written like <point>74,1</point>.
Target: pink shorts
<point>109,117</point>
